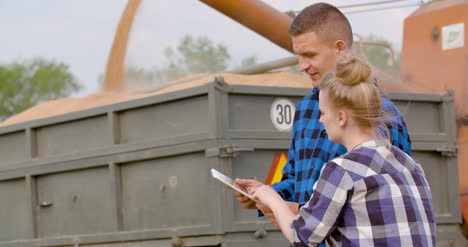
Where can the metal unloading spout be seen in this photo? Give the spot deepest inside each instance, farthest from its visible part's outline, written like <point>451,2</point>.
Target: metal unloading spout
<point>259,17</point>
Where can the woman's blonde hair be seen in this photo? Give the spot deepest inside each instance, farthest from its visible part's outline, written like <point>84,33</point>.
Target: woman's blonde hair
<point>351,85</point>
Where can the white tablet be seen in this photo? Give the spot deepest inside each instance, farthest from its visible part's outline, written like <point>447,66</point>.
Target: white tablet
<point>229,182</point>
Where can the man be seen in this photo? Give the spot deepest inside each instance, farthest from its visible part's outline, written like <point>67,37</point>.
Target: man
<point>320,34</point>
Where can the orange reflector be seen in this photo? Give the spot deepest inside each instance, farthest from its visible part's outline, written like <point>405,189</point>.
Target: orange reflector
<point>276,169</point>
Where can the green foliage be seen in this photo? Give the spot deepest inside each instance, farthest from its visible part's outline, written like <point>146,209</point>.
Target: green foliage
<point>25,84</point>
<point>191,56</point>
<point>139,74</point>
<point>379,56</point>
<point>246,62</point>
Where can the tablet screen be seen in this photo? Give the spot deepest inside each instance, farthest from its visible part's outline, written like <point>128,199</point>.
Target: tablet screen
<point>229,182</point>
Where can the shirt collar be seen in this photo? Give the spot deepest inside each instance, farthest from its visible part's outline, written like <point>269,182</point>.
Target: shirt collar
<point>373,143</point>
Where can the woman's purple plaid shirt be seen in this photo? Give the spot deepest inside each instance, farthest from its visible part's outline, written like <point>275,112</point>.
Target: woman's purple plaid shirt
<point>375,195</point>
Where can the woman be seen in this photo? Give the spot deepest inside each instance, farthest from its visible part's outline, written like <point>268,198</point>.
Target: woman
<point>374,195</point>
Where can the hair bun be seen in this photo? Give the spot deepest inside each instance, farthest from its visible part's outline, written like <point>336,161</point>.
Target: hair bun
<point>351,70</point>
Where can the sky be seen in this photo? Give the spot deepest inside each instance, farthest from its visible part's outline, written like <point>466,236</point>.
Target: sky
<point>80,32</point>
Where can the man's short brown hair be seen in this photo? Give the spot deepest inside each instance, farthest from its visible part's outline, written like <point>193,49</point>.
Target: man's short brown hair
<point>324,19</point>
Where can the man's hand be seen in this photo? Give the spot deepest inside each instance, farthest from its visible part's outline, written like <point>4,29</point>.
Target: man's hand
<point>269,214</point>
<point>246,202</point>
<point>249,185</point>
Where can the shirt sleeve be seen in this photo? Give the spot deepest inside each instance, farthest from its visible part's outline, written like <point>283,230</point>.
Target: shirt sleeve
<point>396,127</point>
<point>319,216</point>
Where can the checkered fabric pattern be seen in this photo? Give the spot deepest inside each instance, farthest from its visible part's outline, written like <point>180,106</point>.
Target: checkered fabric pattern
<point>310,147</point>
<point>375,195</point>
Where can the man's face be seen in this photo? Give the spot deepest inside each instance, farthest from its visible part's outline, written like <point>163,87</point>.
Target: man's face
<point>316,57</point>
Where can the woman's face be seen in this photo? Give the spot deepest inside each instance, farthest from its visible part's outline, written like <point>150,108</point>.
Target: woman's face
<point>329,117</point>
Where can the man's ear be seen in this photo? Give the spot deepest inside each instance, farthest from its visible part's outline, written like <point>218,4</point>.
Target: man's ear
<point>341,47</point>
<point>342,118</point>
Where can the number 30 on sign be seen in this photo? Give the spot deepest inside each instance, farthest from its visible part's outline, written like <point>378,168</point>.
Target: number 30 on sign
<point>282,114</point>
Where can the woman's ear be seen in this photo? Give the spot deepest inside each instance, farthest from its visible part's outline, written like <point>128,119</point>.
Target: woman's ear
<point>342,118</point>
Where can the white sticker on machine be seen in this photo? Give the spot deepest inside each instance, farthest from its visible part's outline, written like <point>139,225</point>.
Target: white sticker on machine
<point>282,114</point>
<point>453,36</point>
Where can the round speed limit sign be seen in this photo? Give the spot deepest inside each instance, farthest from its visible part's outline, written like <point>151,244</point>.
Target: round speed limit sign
<point>282,114</point>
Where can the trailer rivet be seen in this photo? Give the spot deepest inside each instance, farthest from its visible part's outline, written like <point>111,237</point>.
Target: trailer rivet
<point>177,242</point>
<point>260,233</point>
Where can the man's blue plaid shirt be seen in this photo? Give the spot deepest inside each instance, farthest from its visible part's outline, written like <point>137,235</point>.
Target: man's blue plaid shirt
<point>310,148</point>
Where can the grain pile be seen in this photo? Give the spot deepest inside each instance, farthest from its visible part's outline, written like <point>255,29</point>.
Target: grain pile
<point>68,105</point>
